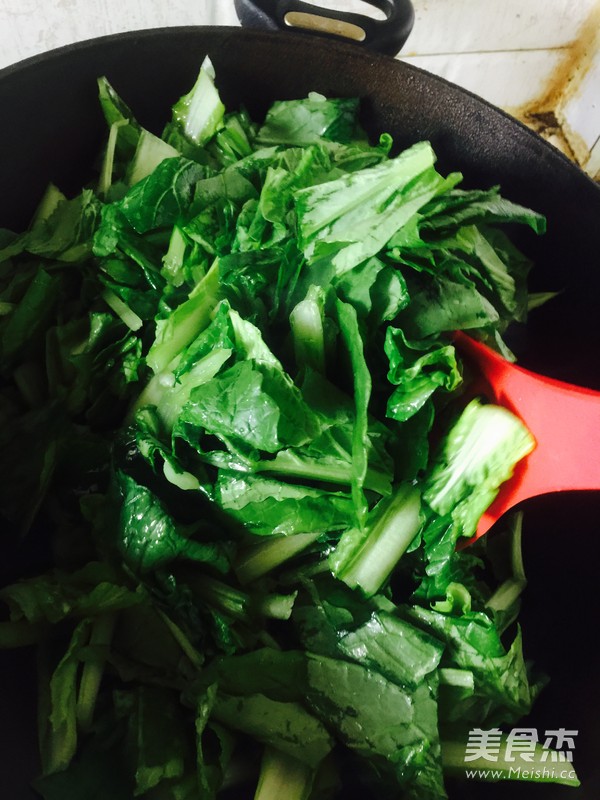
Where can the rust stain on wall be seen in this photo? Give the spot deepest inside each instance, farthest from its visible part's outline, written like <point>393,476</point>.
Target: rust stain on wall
<point>543,115</point>
<point>572,68</point>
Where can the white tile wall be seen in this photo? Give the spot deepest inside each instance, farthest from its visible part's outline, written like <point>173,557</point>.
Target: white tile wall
<point>482,26</point>
<point>28,27</point>
<point>511,79</point>
<point>522,55</point>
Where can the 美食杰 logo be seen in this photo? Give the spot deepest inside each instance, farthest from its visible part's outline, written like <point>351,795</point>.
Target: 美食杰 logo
<point>521,754</point>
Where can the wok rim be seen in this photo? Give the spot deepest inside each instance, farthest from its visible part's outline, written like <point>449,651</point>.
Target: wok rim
<point>353,52</point>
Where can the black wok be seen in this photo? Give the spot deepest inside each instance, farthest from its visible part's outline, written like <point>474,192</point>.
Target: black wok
<point>52,129</point>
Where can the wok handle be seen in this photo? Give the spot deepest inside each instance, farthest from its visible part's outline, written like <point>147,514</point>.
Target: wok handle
<point>385,36</point>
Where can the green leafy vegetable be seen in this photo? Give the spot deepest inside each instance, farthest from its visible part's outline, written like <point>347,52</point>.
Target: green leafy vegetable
<point>477,456</point>
<point>233,417</point>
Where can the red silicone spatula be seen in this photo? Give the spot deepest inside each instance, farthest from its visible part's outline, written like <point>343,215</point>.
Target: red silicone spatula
<point>564,420</point>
